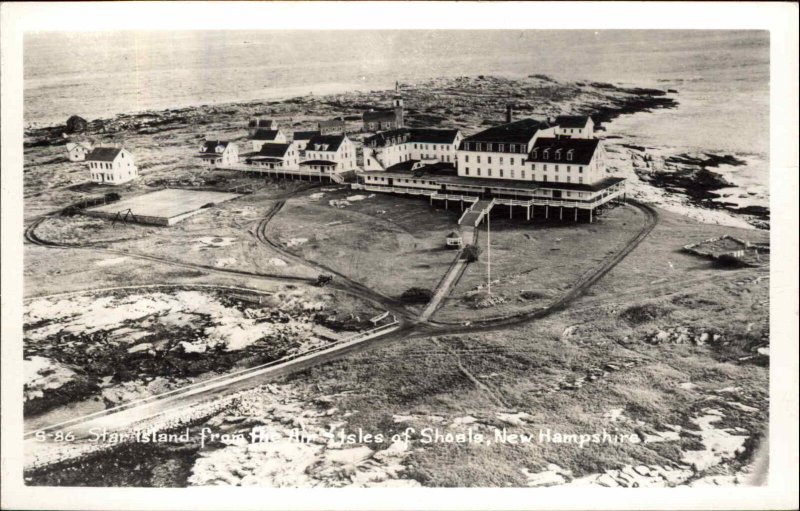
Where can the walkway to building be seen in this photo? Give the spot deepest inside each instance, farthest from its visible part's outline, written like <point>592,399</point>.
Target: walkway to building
<point>473,216</point>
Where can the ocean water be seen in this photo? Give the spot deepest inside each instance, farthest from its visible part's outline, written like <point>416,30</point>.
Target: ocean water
<point>722,76</point>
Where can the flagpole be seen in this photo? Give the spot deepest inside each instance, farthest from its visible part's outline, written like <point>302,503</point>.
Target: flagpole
<point>489,251</point>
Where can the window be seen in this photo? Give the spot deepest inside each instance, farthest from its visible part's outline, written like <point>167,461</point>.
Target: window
<point>569,168</point>
<point>522,174</point>
<point>556,168</point>
<point>535,153</point>
<point>558,154</point>
<point>580,180</point>
<point>569,179</point>
<point>489,173</point>
<point>546,154</point>
<point>512,161</point>
<point>533,166</point>
<point>466,158</point>
<point>501,160</point>
<point>488,159</point>
<point>479,172</point>
<point>466,171</point>
<point>500,148</point>
<point>501,172</point>
<point>570,154</point>
<point>544,178</point>
<point>580,169</point>
<point>544,167</point>
<point>489,147</point>
<point>478,147</point>
<point>512,173</point>
<point>512,148</point>
<point>478,158</point>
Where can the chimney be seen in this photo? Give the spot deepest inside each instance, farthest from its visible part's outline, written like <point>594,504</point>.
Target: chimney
<point>509,113</point>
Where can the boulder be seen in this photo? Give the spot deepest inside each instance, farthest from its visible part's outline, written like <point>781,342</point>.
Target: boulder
<point>76,124</point>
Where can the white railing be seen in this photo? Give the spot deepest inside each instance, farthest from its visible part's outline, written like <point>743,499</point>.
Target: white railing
<point>396,189</point>
<point>533,201</point>
<point>449,196</point>
<point>280,171</point>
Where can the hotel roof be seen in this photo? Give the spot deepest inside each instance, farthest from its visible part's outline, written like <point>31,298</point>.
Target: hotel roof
<point>519,132</point>
<point>582,150</point>
<point>420,135</point>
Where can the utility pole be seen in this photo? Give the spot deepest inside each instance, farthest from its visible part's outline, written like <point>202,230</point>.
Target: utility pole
<point>489,252</point>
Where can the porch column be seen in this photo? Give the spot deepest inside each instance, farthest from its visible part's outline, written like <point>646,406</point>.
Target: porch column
<point>590,214</point>
<point>561,212</point>
<point>546,212</point>
<point>528,217</point>
<point>576,213</point>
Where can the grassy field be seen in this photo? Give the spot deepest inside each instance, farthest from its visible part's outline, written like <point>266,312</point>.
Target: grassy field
<point>385,242</point>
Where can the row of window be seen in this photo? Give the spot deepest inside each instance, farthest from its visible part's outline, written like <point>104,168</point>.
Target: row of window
<point>495,147</point>
<point>521,175</point>
<point>558,167</point>
<point>99,165</point>
<point>558,153</point>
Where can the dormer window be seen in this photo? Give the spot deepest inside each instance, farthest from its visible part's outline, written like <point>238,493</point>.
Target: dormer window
<point>500,148</point>
<point>558,154</point>
<point>546,154</point>
<point>478,146</point>
<point>535,154</point>
<point>570,154</point>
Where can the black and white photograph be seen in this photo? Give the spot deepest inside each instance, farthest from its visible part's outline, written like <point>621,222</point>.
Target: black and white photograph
<point>400,258</point>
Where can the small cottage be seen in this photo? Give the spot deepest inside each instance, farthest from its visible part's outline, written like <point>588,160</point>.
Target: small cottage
<point>77,151</point>
<point>218,152</point>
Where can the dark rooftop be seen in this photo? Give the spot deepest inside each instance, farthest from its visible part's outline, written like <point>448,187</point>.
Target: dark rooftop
<point>582,150</point>
<point>572,121</point>
<point>305,135</point>
<point>260,123</point>
<point>273,150</point>
<point>331,141</point>
<point>265,135</point>
<point>379,115</point>
<point>318,162</point>
<point>103,154</point>
<point>210,146</point>
<point>422,135</point>
<point>515,132</point>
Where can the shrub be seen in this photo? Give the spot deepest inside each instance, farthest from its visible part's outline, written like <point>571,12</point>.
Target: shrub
<point>112,197</point>
<point>416,295</point>
<point>639,314</point>
<point>471,253</point>
<point>729,261</point>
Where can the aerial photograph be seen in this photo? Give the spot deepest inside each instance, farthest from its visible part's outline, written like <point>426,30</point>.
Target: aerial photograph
<point>396,258</point>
